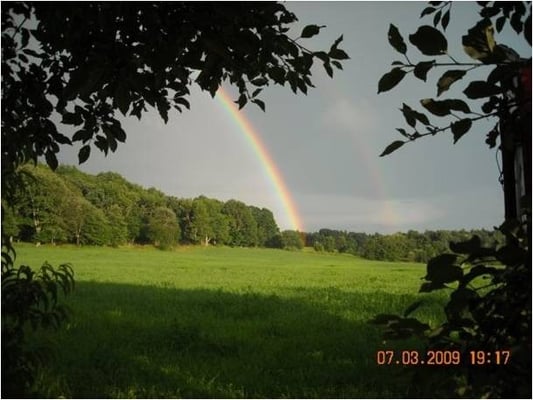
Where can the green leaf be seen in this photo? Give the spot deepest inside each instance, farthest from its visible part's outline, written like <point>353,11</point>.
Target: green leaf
<point>396,39</point>
<point>392,147</point>
<point>84,154</point>
<point>310,31</point>
<point>422,68</point>
<point>480,89</point>
<point>429,41</point>
<point>390,79</point>
<point>448,78</point>
<point>459,128</point>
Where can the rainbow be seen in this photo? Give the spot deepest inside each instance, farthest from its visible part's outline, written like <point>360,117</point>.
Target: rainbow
<point>269,166</point>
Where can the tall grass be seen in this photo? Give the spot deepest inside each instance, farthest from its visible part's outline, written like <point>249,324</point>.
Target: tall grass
<point>226,322</point>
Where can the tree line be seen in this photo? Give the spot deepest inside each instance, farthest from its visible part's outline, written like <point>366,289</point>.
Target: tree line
<point>70,206</point>
<point>411,246</point>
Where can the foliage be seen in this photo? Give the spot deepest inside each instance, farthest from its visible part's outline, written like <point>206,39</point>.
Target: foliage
<point>489,305</point>
<point>503,65</point>
<point>410,246</point>
<point>292,240</point>
<point>100,59</point>
<point>163,228</point>
<point>70,206</point>
<point>28,298</point>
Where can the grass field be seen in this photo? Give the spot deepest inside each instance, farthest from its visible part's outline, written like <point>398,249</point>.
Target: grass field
<point>226,322</point>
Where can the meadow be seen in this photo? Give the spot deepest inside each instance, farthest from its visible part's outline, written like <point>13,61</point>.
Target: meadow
<point>223,322</point>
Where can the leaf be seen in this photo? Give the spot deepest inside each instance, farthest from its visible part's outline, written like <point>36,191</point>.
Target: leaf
<point>328,69</point>
<point>500,22</point>
<point>527,29</point>
<point>479,41</point>
<point>72,119</point>
<point>445,20</point>
<point>260,103</point>
<point>310,31</point>
<point>322,55</point>
<point>260,81</point>
<point>409,115</point>
<point>459,128</point>
<point>162,107</point>
<point>516,22</point>
<point>84,154</point>
<point>390,79</point>
<point>438,108</point>
<point>436,18</point>
<point>338,54</point>
<point>458,105</point>
<point>61,139</point>
<point>51,160</point>
<point>448,78</point>
<point>467,247</point>
<point>183,101</point>
<point>429,41</point>
<point>441,269</point>
<point>392,147</point>
<point>422,68</point>
<point>396,39</point>
<point>242,101</point>
<point>427,11</point>
<point>122,99</point>
<point>82,134</point>
<point>480,89</point>
<point>427,287</point>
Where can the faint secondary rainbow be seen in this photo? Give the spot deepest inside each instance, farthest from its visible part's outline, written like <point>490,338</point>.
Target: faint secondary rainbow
<point>268,164</point>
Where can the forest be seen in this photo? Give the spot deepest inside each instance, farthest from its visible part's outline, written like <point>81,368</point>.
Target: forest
<point>70,206</point>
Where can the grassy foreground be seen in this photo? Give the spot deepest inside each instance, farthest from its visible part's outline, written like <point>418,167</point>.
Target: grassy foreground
<point>225,322</point>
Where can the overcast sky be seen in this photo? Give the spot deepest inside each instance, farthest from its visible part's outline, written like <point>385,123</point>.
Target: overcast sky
<point>327,144</point>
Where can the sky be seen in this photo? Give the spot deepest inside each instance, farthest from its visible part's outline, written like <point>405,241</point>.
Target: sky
<point>326,145</point>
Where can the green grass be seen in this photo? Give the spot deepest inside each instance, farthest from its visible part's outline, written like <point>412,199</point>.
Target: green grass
<point>226,322</point>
